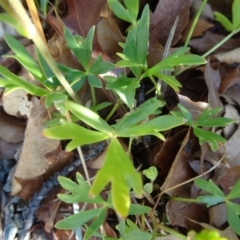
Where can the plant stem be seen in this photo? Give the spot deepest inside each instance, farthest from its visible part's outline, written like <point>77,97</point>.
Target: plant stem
<point>34,14</point>
<point>194,22</point>
<point>93,93</point>
<point>115,107</point>
<point>220,43</point>
<point>212,49</point>
<point>16,9</point>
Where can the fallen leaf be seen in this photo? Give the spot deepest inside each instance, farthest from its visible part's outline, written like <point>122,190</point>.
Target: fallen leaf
<point>32,162</point>
<point>11,128</point>
<point>109,35</point>
<point>229,177</point>
<point>195,108</point>
<point>232,149</point>
<point>218,215</point>
<point>229,57</point>
<point>205,43</point>
<point>213,79</point>
<point>162,20</point>
<point>167,153</point>
<point>230,78</point>
<point>17,104</point>
<point>180,170</point>
<point>201,27</point>
<point>179,212</point>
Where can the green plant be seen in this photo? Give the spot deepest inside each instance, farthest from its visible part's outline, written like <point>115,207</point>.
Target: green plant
<point>233,27</point>
<point>205,119</point>
<point>206,235</point>
<point>79,193</point>
<point>151,173</point>
<point>59,83</point>
<point>217,196</point>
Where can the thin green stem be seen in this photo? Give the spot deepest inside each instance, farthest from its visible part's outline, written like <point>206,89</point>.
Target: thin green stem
<point>220,43</point>
<point>157,87</point>
<point>114,109</point>
<point>130,145</point>
<point>16,9</point>
<point>194,22</point>
<point>93,93</point>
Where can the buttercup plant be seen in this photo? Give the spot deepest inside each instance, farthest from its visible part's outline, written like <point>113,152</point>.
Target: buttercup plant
<point>135,123</point>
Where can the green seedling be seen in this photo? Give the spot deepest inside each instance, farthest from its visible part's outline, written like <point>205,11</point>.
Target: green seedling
<point>59,83</point>
<point>217,196</point>
<point>151,173</point>
<point>79,193</point>
<point>205,119</point>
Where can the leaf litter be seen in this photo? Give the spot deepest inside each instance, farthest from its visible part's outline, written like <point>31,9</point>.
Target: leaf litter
<point>22,117</point>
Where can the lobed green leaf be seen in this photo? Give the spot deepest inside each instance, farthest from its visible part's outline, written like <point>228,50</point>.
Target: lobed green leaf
<point>96,224</point>
<point>235,191</point>
<point>120,11</point>
<point>118,170</point>
<point>235,14</point>
<point>89,117</point>
<point>209,187</point>
<point>233,217</point>
<point>212,138</point>
<point>23,57</point>
<point>210,200</point>
<point>77,220</point>
<point>99,67</point>
<point>14,82</point>
<point>77,134</point>
<point>138,115</point>
<point>133,7</point>
<point>225,22</point>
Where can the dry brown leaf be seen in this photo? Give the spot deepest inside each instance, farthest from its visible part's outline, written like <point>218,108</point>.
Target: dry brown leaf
<point>168,151</point>
<point>57,159</point>
<point>210,39</point>
<point>213,79</point>
<point>201,26</point>
<point>17,104</point>
<point>180,170</point>
<point>109,231</point>
<point>48,213</point>
<point>162,20</point>
<point>233,150</point>
<point>229,177</point>
<point>109,35</point>
<point>11,128</point>
<point>60,53</point>
<point>229,57</point>
<point>32,162</point>
<point>195,108</point>
<point>179,212</point>
<point>218,215</point>
<point>229,79</point>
